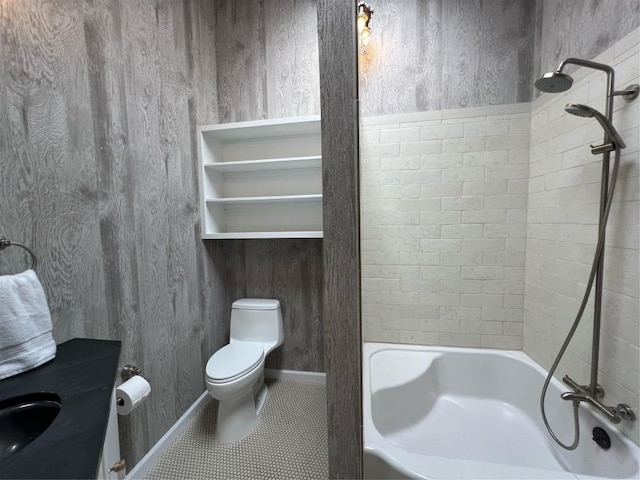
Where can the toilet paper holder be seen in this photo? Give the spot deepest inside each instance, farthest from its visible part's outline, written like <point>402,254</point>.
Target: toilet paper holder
<point>127,372</point>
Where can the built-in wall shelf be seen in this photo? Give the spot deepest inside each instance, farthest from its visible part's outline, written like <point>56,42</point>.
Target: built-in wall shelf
<point>269,199</point>
<point>257,235</point>
<point>274,164</point>
<point>261,179</point>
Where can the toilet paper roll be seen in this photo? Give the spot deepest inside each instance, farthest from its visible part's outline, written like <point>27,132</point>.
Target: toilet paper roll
<point>131,394</point>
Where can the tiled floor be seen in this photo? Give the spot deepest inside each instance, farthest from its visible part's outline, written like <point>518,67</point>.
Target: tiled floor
<point>289,441</point>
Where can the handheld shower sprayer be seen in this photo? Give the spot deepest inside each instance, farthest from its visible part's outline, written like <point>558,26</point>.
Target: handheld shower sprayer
<point>588,112</point>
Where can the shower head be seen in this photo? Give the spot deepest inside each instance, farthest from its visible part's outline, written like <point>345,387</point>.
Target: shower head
<point>554,82</point>
<point>588,112</point>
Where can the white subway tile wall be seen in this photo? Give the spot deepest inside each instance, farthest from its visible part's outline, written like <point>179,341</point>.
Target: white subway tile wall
<point>443,226</point>
<point>564,192</point>
<point>450,199</point>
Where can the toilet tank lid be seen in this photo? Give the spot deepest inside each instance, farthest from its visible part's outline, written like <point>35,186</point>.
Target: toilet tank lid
<point>256,304</point>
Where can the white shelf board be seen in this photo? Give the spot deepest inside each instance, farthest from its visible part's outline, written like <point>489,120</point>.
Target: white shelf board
<point>269,199</point>
<point>275,234</point>
<point>240,131</point>
<point>271,164</point>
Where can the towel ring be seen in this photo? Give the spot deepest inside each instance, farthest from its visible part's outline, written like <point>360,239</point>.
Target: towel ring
<point>4,243</point>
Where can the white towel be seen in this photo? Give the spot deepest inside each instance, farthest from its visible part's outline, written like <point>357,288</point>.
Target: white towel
<point>25,324</point>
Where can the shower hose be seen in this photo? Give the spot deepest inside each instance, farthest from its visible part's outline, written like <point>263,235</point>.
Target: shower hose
<point>583,305</point>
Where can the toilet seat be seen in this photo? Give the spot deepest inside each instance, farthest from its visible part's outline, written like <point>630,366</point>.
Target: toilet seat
<point>234,361</point>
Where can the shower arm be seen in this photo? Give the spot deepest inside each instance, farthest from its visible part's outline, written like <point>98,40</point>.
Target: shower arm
<point>629,93</point>
<point>610,80</point>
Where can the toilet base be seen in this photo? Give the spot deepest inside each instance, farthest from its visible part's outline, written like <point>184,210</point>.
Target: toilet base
<point>236,419</point>
<point>261,397</point>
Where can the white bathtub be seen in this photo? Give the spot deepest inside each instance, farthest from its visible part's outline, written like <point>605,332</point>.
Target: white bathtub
<point>462,413</point>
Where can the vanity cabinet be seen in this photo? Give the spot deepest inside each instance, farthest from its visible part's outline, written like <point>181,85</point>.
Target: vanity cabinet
<point>84,432</point>
<point>111,465</point>
<point>261,179</point>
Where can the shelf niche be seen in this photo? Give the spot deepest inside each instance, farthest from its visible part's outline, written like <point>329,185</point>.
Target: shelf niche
<point>261,179</point>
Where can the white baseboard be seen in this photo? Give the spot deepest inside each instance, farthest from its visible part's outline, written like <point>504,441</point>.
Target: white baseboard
<point>296,376</point>
<point>151,458</point>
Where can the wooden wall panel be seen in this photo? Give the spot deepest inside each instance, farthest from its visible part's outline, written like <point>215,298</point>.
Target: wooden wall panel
<point>439,54</point>
<point>100,101</point>
<point>291,271</point>
<point>390,69</point>
<point>211,333</point>
<point>575,28</point>
<point>461,36</point>
<point>293,82</point>
<point>240,51</point>
<point>141,29</point>
<point>99,106</point>
<point>267,64</point>
<point>341,300</point>
<point>116,172</point>
<point>505,51</point>
<point>47,170</point>
<point>267,56</point>
<point>429,22</point>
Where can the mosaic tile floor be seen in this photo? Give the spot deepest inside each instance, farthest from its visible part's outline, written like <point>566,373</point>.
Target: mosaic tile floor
<point>289,441</point>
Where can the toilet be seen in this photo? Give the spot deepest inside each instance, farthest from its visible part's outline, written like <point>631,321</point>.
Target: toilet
<point>235,373</point>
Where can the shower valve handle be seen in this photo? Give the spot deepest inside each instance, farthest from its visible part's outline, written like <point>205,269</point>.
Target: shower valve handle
<point>625,412</point>
<point>584,394</point>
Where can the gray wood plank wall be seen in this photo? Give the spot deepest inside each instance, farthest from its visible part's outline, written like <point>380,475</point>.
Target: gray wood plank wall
<point>440,54</point>
<point>99,102</point>
<point>341,300</point>
<point>291,271</point>
<point>267,67</point>
<point>576,28</point>
<point>267,59</point>
<point>98,105</point>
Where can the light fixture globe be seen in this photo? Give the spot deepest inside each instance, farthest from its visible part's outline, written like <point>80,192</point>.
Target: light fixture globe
<point>364,30</point>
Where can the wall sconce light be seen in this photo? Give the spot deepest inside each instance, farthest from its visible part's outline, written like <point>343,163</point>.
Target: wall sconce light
<point>364,30</point>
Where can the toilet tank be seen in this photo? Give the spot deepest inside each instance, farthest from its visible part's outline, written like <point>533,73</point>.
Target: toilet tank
<point>257,320</point>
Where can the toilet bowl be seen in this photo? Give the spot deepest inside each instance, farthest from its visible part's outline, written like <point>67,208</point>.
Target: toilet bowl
<point>235,373</point>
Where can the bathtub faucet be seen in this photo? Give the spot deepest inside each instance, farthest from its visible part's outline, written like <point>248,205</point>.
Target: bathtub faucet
<point>580,393</point>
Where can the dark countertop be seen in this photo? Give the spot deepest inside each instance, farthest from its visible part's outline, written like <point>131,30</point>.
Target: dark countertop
<point>83,376</point>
